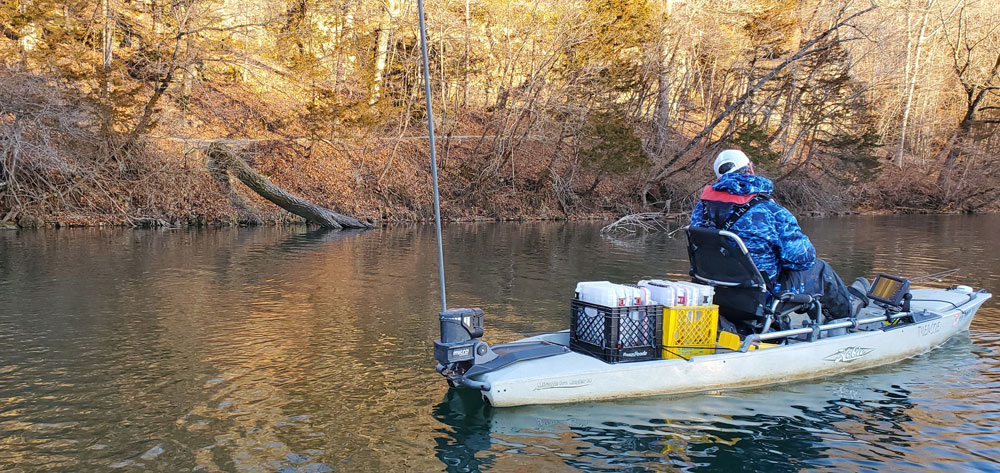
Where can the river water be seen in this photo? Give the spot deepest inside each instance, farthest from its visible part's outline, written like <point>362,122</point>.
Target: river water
<point>284,349</point>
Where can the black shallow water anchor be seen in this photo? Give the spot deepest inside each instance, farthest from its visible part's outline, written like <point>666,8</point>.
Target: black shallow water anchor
<point>460,353</point>
<point>460,329</point>
<point>459,347</point>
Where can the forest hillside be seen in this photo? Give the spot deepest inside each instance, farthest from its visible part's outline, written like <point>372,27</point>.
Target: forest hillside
<point>544,109</point>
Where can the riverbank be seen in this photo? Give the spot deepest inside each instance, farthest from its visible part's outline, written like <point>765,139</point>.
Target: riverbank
<point>62,168</point>
<point>32,222</point>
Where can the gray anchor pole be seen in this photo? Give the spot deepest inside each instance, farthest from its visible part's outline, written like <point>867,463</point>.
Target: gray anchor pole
<point>430,138</point>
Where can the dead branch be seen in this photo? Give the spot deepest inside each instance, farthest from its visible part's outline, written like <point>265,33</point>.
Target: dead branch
<point>634,223</point>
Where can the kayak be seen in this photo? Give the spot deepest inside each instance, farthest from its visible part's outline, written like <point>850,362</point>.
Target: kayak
<point>543,370</point>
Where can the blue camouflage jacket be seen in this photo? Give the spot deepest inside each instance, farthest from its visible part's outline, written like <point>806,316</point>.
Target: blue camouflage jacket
<point>770,231</point>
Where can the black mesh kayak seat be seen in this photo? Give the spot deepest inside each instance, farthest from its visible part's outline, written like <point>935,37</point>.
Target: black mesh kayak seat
<point>720,259</point>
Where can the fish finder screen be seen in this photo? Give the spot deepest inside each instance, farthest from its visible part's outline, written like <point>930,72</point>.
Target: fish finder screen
<point>886,288</point>
<point>889,289</point>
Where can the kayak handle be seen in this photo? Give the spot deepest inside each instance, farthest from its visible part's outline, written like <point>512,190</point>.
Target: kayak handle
<point>463,381</point>
<point>797,298</point>
<point>480,385</point>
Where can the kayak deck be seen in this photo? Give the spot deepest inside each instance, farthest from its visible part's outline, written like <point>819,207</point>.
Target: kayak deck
<point>573,377</point>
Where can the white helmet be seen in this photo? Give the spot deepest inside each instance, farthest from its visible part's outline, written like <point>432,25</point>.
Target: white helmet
<point>730,160</point>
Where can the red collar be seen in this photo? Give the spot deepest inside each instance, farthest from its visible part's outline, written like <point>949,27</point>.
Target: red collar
<point>711,194</point>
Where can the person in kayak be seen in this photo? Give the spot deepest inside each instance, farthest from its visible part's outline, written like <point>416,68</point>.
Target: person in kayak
<point>740,202</point>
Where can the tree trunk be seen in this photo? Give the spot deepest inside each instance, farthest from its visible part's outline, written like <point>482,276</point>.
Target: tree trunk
<point>465,77</point>
<point>950,154</point>
<point>146,119</point>
<point>444,83</point>
<point>107,122</point>
<point>664,85</point>
<point>28,37</point>
<point>912,80</point>
<point>382,48</point>
<point>224,159</point>
<point>245,212</point>
<point>108,44</point>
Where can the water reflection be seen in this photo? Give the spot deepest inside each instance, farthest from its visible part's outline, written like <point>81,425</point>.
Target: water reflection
<point>220,350</point>
<point>284,349</point>
<point>465,441</point>
<point>876,419</point>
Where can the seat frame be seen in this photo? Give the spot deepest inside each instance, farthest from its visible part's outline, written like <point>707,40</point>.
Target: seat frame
<point>759,280</point>
<point>735,298</point>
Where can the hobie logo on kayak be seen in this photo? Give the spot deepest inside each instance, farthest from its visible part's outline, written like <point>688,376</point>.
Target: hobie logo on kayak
<point>846,355</point>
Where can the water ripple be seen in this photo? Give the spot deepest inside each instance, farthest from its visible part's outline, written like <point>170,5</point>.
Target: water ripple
<point>280,349</point>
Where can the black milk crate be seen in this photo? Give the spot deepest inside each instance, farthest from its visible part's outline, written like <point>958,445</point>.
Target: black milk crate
<point>616,334</point>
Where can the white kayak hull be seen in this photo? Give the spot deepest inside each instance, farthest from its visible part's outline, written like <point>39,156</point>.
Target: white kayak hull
<point>574,377</point>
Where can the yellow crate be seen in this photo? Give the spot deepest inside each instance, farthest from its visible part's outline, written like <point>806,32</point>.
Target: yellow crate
<point>689,331</point>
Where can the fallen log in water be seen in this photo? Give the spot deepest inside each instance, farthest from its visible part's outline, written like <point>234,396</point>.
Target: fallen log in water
<point>223,159</point>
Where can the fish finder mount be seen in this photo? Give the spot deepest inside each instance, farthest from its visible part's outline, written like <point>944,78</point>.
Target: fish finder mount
<point>891,292</point>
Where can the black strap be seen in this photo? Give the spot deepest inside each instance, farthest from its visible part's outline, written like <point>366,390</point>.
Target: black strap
<point>739,210</point>
<point>706,220</point>
<point>734,215</point>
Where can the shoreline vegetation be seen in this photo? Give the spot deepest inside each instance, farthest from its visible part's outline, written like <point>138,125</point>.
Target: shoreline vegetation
<point>592,109</point>
<point>33,223</point>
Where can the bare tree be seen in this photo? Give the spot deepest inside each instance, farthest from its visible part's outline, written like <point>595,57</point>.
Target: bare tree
<point>912,71</point>
<point>975,50</point>
<point>808,48</point>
